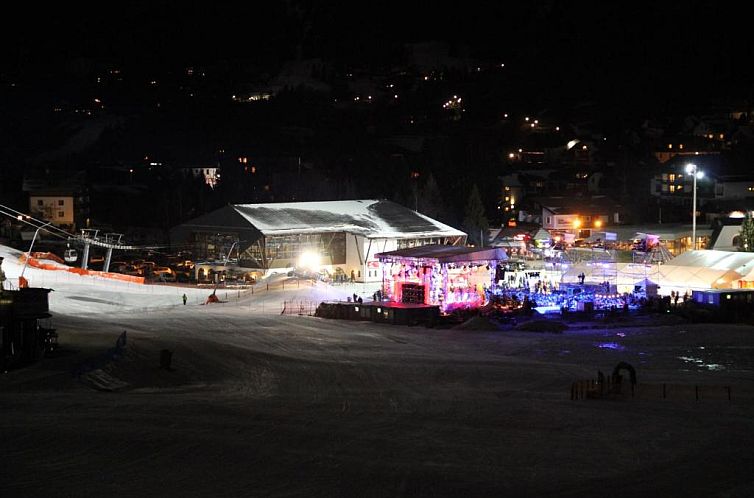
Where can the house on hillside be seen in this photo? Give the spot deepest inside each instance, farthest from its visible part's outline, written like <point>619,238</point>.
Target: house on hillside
<point>59,197</point>
<point>578,216</point>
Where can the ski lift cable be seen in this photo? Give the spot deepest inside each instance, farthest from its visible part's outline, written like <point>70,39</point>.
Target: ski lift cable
<point>59,232</point>
<point>19,216</point>
<point>25,217</point>
<point>39,227</point>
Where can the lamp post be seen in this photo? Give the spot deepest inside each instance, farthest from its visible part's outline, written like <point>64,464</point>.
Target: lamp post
<point>692,170</point>
<point>31,246</point>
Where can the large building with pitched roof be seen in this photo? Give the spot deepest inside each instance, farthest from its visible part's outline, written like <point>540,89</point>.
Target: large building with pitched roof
<point>333,235</point>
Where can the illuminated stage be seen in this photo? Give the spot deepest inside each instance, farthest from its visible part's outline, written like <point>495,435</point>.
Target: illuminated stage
<point>450,277</point>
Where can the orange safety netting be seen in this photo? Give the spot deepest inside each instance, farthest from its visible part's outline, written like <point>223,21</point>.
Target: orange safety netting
<point>47,255</point>
<point>34,262</point>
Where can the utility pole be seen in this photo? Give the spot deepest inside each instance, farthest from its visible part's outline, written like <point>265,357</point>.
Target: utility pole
<point>31,246</point>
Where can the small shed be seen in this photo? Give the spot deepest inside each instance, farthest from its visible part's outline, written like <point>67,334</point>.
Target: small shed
<point>647,287</point>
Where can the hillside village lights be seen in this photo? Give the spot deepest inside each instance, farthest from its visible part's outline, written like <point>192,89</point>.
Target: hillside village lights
<point>692,170</point>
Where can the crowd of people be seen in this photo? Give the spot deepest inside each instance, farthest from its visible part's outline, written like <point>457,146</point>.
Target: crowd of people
<point>527,291</point>
<point>562,300</point>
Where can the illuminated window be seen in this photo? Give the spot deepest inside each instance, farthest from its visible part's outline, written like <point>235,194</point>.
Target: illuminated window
<point>670,146</point>
<point>680,146</point>
<point>671,177</point>
<point>672,188</point>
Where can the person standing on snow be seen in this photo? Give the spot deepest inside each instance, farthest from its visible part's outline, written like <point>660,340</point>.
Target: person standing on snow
<point>184,299</point>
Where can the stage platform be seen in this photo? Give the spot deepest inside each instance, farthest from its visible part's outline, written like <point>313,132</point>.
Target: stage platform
<point>380,312</point>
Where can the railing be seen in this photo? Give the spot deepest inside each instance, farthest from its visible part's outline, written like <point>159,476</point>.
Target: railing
<point>299,308</point>
<point>610,388</point>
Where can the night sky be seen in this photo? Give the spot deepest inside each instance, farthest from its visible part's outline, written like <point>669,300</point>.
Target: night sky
<point>628,51</point>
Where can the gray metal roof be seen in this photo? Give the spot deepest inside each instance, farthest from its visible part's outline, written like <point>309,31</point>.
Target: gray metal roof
<point>370,218</point>
<point>446,254</point>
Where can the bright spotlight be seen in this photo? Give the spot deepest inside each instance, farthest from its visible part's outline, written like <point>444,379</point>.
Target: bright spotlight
<point>309,260</point>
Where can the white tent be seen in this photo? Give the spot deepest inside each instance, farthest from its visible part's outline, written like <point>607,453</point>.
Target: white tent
<point>706,270</point>
<point>648,286</point>
<point>542,235</point>
<point>692,270</point>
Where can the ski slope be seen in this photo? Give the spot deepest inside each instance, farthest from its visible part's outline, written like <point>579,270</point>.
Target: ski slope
<point>89,294</point>
<point>262,404</point>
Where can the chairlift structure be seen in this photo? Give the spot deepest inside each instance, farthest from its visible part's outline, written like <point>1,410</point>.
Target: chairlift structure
<point>108,240</point>
<point>87,238</point>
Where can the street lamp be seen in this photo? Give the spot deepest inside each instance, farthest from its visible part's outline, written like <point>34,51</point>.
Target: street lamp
<point>692,170</point>
<point>31,246</point>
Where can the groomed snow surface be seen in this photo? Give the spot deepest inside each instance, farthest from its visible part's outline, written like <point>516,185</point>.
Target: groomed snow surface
<point>263,404</point>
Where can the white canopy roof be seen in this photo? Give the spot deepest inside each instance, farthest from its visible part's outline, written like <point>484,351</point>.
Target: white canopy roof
<point>741,262</point>
<point>706,269</point>
<point>370,218</point>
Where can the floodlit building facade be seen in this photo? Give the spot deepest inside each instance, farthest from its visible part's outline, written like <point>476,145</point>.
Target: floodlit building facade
<point>338,237</point>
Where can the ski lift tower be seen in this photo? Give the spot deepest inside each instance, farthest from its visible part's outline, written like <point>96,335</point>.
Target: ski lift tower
<point>110,241</point>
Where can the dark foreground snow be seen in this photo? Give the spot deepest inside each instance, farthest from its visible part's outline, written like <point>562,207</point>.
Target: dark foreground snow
<point>267,405</point>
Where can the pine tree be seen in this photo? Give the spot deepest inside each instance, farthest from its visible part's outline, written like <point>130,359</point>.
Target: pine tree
<point>475,221</point>
<point>430,201</point>
<point>747,233</point>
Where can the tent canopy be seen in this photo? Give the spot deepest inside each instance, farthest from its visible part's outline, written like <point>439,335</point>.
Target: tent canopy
<point>446,254</point>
